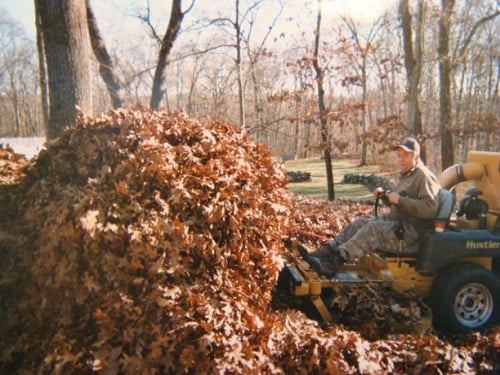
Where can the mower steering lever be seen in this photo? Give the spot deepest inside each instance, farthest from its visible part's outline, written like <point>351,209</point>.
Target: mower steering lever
<point>382,196</point>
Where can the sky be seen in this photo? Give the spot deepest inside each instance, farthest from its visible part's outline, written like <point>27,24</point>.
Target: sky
<point>107,10</point>
<point>22,11</point>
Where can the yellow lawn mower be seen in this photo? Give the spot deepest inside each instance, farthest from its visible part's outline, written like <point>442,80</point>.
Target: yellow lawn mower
<point>456,266</point>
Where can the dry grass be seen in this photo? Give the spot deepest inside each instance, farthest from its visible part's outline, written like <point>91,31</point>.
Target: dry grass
<point>317,188</point>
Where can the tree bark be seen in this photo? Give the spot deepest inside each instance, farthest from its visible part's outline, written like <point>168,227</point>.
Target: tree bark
<point>322,108</point>
<point>67,52</point>
<point>445,135</point>
<point>364,99</point>
<point>413,64</point>
<point>174,26</point>
<point>241,95</point>
<point>103,58</point>
<point>42,66</point>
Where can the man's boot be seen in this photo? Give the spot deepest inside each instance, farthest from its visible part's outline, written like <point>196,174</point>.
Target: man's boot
<point>327,266</point>
<point>324,261</point>
<point>322,253</point>
<point>326,251</point>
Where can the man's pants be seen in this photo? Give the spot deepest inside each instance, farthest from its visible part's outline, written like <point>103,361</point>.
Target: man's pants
<point>366,235</point>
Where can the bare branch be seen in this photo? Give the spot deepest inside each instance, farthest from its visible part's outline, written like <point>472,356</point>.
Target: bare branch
<point>146,19</point>
<point>471,33</point>
<point>103,58</point>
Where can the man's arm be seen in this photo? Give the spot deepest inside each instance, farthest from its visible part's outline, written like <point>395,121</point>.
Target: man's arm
<point>424,208</point>
<point>417,196</point>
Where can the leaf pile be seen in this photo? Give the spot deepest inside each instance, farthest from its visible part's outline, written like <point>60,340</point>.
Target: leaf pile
<point>149,230</point>
<point>147,242</point>
<point>11,172</point>
<point>315,221</point>
<point>11,165</point>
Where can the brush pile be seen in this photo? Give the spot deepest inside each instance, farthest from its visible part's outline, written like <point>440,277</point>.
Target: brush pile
<point>148,242</point>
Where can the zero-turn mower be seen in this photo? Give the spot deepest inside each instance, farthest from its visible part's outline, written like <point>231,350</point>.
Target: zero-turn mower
<point>457,269</point>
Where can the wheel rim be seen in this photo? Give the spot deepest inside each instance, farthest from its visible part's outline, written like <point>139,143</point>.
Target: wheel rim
<point>473,305</point>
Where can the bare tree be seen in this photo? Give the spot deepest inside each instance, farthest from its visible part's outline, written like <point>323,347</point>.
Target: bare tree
<point>413,63</point>
<point>174,26</point>
<point>216,83</point>
<point>387,62</point>
<point>474,64</point>
<point>447,64</point>
<point>42,67</point>
<point>66,48</point>
<point>255,55</point>
<point>236,26</point>
<point>364,46</point>
<point>323,116</point>
<point>241,96</point>
<point>205,79</point>
<point>17,80</point>
<point>103,58</point>
<point>445,84</point>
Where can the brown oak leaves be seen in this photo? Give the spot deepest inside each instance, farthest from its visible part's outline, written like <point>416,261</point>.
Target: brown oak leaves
<point>148,242</point>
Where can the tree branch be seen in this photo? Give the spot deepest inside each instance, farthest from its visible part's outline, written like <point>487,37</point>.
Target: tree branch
<point>469,37</point>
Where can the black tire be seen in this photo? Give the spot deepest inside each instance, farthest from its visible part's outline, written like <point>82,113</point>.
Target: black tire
<point>465,297</point>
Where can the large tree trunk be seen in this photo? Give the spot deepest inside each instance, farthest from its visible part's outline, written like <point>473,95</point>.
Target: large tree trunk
<point>447,158</point>
<point>67,52</point>
<point>103,58</point>
<point>174,25</point>
<point>413,65</point>
<point>322,109</point>
<point>42,66</point>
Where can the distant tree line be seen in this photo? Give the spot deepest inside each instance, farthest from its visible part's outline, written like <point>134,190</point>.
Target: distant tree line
<point>426,69</point>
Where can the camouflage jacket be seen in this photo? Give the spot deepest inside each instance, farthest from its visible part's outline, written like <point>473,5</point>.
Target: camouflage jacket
<point>418,189</point>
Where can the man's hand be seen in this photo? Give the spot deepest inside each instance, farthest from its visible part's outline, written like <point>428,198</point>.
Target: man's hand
<point>393,198</point>
<point>378,192</point>
<point>388,197</point>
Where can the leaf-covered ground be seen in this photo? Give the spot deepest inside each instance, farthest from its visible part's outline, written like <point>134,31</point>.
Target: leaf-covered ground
<point>150,243</point>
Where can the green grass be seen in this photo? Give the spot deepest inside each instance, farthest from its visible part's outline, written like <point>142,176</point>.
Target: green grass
<point>317,188</point>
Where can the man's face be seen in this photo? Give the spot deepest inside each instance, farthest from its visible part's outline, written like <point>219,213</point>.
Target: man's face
<point>406,160</point>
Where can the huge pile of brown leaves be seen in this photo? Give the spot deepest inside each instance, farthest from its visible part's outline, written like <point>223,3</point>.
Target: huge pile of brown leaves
<point>147,242</point>
<point>11,165</point>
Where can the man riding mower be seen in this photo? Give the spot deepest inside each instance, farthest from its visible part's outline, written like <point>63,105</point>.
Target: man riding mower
<point>456,265</point>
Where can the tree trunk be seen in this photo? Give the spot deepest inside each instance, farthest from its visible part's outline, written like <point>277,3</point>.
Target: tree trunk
<point>15,100</point>
<point>322,109</point>
<point>42,66</point>
<point>413,65</point>
<point>447,158</point>
<point>241,96</point>
<point>363,113</point>
<point>174,25</point>
<point>67,52</point>
<point>103,58</point>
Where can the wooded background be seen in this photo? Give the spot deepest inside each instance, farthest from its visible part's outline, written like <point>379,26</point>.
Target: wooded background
<point>330,88</point>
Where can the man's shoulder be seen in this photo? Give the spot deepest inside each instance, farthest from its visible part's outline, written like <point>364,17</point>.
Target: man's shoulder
<point>428,178</point>
<point>424,169</point>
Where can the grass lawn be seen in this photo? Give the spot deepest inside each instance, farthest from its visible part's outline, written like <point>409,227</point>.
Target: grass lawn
<point>316,188</point>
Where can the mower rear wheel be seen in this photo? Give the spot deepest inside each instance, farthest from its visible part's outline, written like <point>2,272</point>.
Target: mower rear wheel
<point>465,297</point>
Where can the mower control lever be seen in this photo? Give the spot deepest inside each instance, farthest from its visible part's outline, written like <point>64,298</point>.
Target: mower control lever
<point>382,196</point>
